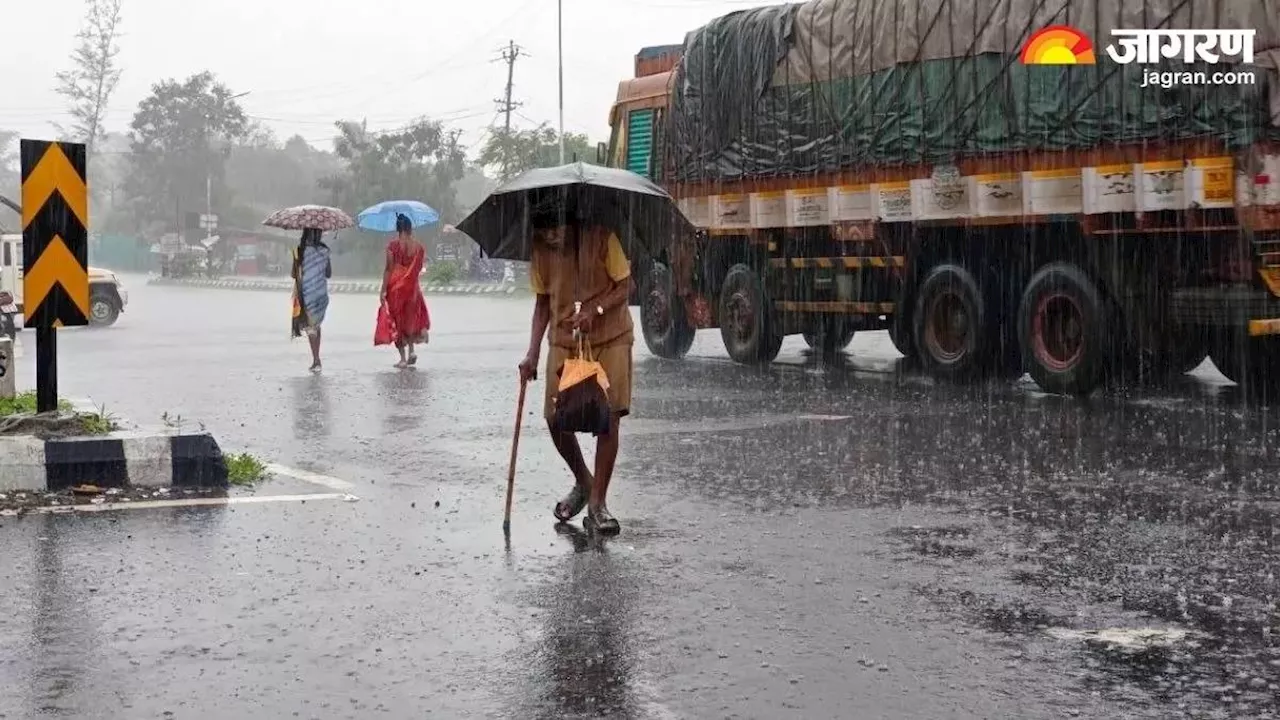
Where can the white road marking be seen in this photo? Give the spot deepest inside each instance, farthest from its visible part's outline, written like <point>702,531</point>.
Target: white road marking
<point>332,483</point>
<point>192,502</point>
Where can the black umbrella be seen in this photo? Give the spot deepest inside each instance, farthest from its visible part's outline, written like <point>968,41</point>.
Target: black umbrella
<point>643,215</point>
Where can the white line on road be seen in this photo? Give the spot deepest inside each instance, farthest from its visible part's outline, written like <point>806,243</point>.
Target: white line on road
<point>193,502</point>
<point>332,483</point>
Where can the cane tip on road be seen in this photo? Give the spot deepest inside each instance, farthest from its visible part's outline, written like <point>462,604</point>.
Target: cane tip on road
<point>506,528</point>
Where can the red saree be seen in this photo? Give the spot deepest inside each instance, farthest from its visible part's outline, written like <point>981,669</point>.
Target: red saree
<point>403,317</point>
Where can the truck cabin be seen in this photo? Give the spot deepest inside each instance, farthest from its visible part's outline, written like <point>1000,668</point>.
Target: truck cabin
<point>635,120</point>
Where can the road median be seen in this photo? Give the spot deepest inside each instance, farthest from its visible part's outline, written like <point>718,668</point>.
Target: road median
<point>52,460</point>
<point>339,287</point>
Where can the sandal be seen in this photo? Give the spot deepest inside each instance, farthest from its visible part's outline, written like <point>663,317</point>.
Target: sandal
<point>570,505</point>
<point>413,360</point>
<point>602,521</point>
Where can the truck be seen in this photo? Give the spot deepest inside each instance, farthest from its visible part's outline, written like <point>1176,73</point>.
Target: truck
<point>107,295</point>
<point>919,168</point>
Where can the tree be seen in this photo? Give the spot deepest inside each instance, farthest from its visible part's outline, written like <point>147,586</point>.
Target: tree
<point>94,75</point>
<point>267,176</point>
<point>9,180</point>
<point>510,154</point>
<point>180,138</point>
<point>422,161</point>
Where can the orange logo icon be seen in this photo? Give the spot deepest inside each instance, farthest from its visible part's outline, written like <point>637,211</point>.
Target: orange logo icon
<point>1058,45</point>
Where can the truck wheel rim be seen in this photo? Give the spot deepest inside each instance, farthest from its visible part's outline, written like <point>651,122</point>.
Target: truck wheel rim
<point>947,327</point>
<point>741,316</point>
<point>658,311</point>
<point>1058,332</point>
<point>100,310</point>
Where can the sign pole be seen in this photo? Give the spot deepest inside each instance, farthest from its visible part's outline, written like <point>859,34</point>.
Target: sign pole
<point>55,252</point>
<point>46,369</point>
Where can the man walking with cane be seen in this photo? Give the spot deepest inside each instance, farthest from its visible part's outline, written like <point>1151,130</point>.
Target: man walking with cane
<point>581,279</point>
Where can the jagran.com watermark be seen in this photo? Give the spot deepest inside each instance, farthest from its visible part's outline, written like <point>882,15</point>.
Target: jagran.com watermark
<point>1208,46</point>
<point>1168,79</point>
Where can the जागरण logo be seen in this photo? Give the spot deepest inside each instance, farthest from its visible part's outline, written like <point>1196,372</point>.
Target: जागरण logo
<point>1058,45</point>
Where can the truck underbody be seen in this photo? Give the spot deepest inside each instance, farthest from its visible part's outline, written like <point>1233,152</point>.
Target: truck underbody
<point>849,169</point>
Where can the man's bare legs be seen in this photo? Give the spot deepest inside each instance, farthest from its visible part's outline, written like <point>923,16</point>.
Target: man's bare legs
<point>606,455</point>
<point>571,451</point>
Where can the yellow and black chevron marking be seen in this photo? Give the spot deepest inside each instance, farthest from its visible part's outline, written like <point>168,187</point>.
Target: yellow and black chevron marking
<point>847,263</point>
<point>55,234</point>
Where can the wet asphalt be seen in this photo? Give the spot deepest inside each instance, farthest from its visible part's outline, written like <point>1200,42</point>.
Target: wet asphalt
<point>820,539</point>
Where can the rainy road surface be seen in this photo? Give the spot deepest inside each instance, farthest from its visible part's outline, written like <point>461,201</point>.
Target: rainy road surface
<point>809,541</point>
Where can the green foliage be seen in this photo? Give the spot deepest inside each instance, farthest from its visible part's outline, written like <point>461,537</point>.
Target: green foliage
<point>422,161</point>
<point>266,175</point>
<point>25,404</point>
<point>510,154</point>
<point>445,272</point>
<point>93,76</point>
<point>99,422</point>
<point>181,134</point>
<point>245,470</point>
<point>9,178</point>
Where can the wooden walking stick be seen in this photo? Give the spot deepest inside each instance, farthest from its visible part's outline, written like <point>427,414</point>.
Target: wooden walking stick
<point>511,472</point>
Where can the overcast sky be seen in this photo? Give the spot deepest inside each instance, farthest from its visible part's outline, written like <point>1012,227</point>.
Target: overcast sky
<point>306,63</point>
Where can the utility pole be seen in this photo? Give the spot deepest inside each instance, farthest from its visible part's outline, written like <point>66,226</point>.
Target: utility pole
<point>506,106</point>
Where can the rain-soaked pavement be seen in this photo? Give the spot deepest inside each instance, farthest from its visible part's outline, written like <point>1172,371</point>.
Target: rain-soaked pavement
<point>811,541</point>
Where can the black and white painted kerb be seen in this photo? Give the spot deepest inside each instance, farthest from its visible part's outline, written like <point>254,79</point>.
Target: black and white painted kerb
<point>352,287</point>
<point>121,459</point>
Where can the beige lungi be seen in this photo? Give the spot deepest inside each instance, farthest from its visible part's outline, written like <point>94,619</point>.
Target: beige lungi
<point>616,360</point>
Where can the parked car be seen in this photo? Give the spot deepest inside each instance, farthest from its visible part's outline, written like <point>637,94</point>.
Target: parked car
<point>107,296</point>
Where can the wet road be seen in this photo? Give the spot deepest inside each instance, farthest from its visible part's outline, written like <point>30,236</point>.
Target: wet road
<point>839,540</point>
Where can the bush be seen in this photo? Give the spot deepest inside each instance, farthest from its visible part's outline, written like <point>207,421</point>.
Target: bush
<point>443,273</point>
<point>245,469</point>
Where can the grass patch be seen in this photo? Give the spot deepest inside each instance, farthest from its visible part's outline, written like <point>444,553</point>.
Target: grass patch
<point>244,469</point>
<point>25,404</point>
<point>99,422</point>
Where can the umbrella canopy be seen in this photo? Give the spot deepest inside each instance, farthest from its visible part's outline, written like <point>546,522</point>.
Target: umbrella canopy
<point>302,217</point>
<point>642,214</point>
<point>382,217</point>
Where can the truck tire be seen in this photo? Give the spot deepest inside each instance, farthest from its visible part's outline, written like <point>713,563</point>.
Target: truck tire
<point>663,320</point>
<point>104,309</point>
<point>8,326</point>
<point>952,335</point>
<point>747,322</point>
<point>831,336</point>
<point>1253,363</point>
<point>1063,330</point>
<point>900,333</point>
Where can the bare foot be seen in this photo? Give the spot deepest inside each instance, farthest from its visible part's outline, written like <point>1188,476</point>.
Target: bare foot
<point>413,359</point>
<point>315,366</point>
<point>401,365</point>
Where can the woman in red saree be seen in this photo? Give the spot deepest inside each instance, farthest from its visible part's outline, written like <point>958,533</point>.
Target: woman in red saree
<point>403,320</point>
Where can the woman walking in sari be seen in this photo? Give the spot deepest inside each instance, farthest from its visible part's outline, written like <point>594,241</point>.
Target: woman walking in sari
<point>404,310</point>
<point>311,273</point>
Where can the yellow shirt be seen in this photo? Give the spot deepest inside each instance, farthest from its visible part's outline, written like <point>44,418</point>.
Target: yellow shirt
<point>615,263</point>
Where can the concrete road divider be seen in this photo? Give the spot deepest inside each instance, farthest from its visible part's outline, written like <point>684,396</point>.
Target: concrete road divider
<point>344,287</point>
<point>121,459</point>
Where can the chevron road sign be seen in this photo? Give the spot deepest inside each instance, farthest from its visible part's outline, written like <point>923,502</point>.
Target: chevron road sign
<point>55,249</point>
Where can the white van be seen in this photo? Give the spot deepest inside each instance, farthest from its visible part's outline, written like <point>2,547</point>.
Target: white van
<point>107,297</point>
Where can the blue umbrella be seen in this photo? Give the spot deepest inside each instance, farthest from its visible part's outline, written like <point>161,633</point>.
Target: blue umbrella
<point>382,217</point>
